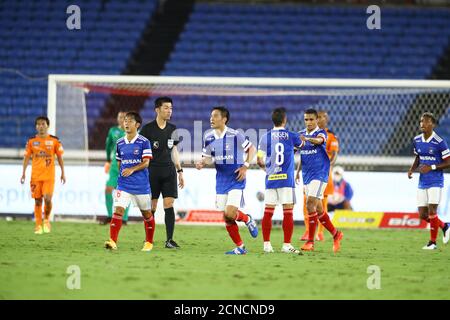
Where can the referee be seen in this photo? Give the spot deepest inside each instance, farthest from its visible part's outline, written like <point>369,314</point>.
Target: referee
<point>165,164</point>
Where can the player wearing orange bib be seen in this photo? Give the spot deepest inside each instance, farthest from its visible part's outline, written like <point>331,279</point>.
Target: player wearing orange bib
<point>42,149</point>
<point>332,149</point>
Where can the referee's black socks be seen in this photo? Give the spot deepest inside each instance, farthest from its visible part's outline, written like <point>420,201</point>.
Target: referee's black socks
<point>170,222</point>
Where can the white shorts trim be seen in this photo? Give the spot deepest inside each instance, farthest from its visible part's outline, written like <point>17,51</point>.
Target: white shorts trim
<point>315,189</point>
<point>428,196</point>
<point>123,199</point>
<point>280,196</point>
<point>233,198</point>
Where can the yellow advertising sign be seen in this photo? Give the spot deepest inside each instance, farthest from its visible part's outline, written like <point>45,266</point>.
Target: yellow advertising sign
<point>353,219</point>
<point>280,176</point>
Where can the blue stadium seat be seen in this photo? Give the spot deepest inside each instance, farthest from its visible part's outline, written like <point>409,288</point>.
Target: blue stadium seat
<point>32,31</point>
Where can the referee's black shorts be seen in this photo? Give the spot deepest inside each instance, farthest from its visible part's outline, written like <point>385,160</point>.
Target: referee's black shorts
<point>163,180</point>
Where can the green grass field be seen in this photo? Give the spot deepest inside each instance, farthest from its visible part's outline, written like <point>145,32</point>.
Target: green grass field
<point>34,267</point>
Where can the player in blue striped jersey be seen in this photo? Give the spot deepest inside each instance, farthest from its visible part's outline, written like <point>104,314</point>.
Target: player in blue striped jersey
<point>276,157</point>
<point>315,170</point>
<point>226,148</point>
<point>133,154</point>
<point>432,156</point>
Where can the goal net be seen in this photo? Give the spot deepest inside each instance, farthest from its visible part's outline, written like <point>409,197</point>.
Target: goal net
<point>375,120</point>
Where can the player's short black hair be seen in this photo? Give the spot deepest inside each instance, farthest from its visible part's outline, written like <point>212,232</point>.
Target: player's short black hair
<point>161,100</point>
<point>46,119</point>
<point>430,116</point>
<point>312,111</point>
<point>223,111</point>
<point>278,116</point>
<point>136,116</point>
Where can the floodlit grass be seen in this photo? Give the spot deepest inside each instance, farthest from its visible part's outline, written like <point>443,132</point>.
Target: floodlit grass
<point>35,266</point>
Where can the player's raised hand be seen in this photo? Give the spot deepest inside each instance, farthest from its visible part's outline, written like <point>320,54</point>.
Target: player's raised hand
<point>127,172</point>
<point>303,138</point>
<point>63,178</point>
<point>22,179</point>
<point>242,172</point>
<point>199,164</point>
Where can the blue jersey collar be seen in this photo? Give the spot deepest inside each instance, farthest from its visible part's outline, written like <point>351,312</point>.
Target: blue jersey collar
<point>312,132</point>
<point>132,140</point>
<point>222,135</point>
<point>429,139</point>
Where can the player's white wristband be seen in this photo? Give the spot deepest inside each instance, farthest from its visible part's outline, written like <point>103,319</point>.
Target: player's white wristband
<point>433,167</point>
<point>246,164</point>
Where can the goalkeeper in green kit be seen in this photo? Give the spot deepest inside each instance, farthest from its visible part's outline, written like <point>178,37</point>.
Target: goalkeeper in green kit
<point>114,134</point>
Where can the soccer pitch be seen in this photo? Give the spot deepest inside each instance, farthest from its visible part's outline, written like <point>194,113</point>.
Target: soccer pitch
<point>35,266</point>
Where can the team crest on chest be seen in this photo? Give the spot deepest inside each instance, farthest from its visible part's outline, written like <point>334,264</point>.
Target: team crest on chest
<point>136,151</point>
<point>431,151</point>
<point>170,143</point>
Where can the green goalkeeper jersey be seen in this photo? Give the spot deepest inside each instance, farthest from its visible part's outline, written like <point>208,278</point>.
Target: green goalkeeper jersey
<point>114,134</point>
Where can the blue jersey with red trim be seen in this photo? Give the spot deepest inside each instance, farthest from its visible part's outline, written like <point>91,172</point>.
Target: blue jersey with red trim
<point>227,151</point>
<point>314,158</point>
<point>278,146</point>
<point>130,154</point>
<point>431,151</point>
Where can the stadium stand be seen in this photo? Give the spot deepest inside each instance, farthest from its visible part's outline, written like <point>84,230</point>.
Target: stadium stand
<point>267,40</point>
<point>306,41</point>
<point>36,41</point>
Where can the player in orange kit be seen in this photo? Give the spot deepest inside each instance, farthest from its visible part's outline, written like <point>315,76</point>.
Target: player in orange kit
<point>42,149</point>
<point>332,149</point>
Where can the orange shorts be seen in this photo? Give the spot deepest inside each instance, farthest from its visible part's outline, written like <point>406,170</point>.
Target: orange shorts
<point>41,188</point>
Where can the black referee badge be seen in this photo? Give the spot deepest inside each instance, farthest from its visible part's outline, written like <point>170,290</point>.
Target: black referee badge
<point>170,143</point>
<point>155,144</point>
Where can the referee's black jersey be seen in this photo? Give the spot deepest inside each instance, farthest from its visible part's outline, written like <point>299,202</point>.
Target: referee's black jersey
<point>162,141</point>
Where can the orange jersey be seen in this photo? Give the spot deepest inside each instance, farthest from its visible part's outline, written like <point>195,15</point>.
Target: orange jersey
<point>332,146</point>
<point>42,152</point>
<point>332,143</point>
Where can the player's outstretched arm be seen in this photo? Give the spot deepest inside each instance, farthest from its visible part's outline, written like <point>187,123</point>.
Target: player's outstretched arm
<point>143,165</point>
<point>206,160</point>
<point>318,140</point>
<point>413,167</point>
<point>61,165</point>
<point>26,159</point>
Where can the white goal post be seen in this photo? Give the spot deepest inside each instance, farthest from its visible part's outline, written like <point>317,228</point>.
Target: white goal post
<point>383,96</point>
